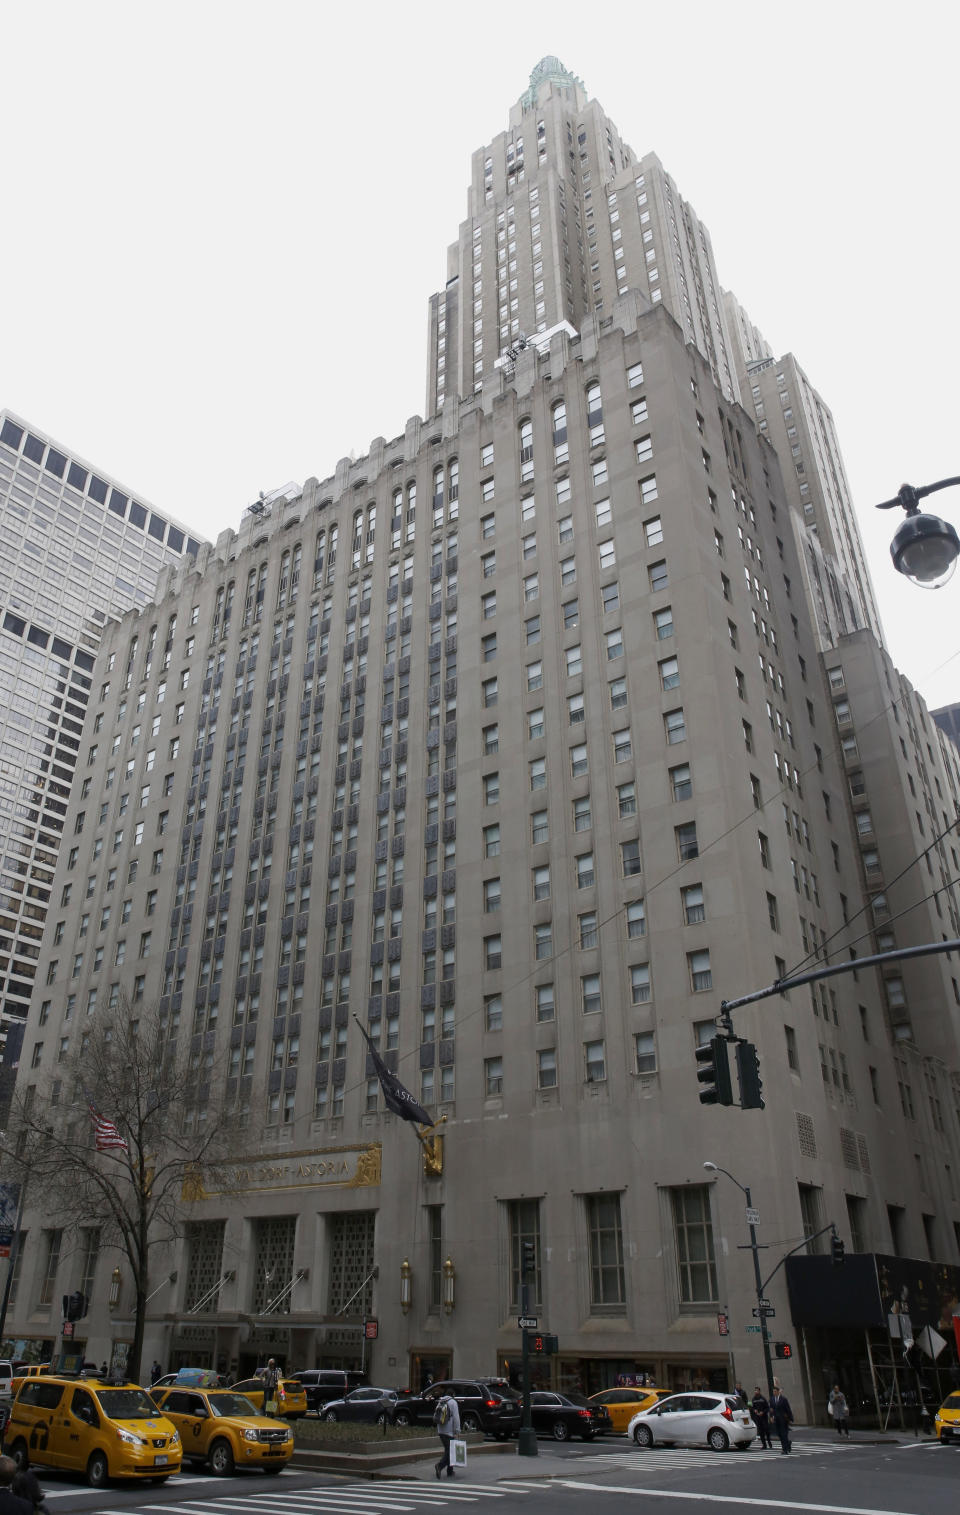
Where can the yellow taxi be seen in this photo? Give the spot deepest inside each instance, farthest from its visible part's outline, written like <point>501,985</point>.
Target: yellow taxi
<point>223,1429</point>
<point>291,1396</point>
<point>946,1422</point>
<point>105,1428</point>
<point>623,1404</point>
<point>27,1370</point>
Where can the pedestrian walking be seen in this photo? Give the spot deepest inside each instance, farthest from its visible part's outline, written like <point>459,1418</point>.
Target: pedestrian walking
<point>10,1503</point>
<point>446,1418</point>
<point>155,1372</point>
<point>782,1416</point>
<point>837,1407</point>
<point>760,1410</point>
<point>270,1378</point>
<point>741,1394</point>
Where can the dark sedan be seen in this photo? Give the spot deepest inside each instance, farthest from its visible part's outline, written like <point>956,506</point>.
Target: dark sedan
<point>369,1404</point>
<point>564,1415</point>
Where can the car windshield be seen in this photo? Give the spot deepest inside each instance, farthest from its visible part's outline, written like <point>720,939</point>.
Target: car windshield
<point>127,1404</point>
<point>952,1402</point>
<point>232,1404</point>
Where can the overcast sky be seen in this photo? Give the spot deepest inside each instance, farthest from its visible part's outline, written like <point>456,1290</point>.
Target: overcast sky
<point>222,224</point>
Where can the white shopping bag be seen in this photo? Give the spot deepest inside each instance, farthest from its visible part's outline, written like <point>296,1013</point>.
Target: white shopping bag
<point>458,1454</point>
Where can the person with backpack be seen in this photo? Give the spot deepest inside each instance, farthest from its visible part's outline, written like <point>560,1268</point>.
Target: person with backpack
<point>446,1418</point>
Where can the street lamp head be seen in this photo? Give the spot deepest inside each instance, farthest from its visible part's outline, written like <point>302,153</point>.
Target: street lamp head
<point>925,549</point>
<point>712,1167</point>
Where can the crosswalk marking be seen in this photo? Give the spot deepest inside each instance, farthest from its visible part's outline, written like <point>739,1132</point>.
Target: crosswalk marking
<point>657,1458</point>
<point>395,1496</point>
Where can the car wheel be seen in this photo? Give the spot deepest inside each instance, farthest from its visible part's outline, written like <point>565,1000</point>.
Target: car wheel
<point>718,1440</point>
<point>20,1454</point>
<point>561,1431</point>
<point>330,1415</point>
<point>98,1471</point>
<point>643,1436</point>
<point>470,1422</point>
<point>221,1458</point>
<point>403,1418</point>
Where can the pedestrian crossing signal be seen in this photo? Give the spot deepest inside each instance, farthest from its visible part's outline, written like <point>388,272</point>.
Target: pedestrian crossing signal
<point>782,1349</point>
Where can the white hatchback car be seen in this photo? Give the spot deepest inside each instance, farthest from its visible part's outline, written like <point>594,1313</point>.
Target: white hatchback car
<point>713,1420</point>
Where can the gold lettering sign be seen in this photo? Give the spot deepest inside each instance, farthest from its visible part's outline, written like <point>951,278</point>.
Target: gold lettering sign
<point>330,1167</point>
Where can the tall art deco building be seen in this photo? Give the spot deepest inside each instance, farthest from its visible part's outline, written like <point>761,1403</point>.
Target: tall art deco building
<point>523,740</point>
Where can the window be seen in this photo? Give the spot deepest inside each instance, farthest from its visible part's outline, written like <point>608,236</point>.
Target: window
<point>675,727</point>
<point>640,983</point>
<point>622,747</point>
<point>701,978</point>
<point>541,883</point>
<point>547,1068</point>
<point>669,673</point>
<point>538,773</point>
<point>571,615</point>
<point>793,1057</point>
<point>491,841</point>
<point>646,1051</point>
<point>610,593</point>
<point>492,951</point>
<point>543,940</point>
<point>531,628</point>
<point>627,799</point>
<point>531,587</point>
<point>681,784</point>
<point>595,1067</point>
<point>687,844</point>
<point>657,574</point>
<point>491,788</point>
<point>491,739</point>
<point>534,677</point>
<point>493,1012</point>
<point>539,827</point>
<point>587,930</point>
<point>630,858</point>
<point>614,643</point>
<point>607,555</point>
<point>574,662</point>
<point>607,1279</point>
<point>586,876</point>
<point>489,691</point>
<point>653,531</point>
<point>618,694</point>
<point>493,1075</point>
<point>488,605</point>
<point>590,993</point>
<point>663,623</point>
<point>488,647</point>
<point>693,1231</point>
<point>491,895</point>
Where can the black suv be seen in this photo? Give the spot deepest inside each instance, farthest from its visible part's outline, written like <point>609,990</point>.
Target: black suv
<point>323,1384</point>
<point>486,1404</point>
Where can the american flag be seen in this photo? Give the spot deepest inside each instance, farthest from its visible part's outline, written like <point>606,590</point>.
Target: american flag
<point>106,1134</point>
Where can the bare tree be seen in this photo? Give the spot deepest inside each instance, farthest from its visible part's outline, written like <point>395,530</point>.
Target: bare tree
<point>157,1093</point>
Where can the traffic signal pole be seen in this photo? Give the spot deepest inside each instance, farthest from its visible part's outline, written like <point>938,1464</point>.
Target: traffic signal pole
<point>761,1302</point>
<point>527,1436</point>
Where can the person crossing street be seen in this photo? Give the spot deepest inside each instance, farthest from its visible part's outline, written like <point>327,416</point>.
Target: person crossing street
<point>447,1421</point>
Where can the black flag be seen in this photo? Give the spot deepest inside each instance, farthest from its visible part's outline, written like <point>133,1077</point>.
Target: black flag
<point>398,1099</point>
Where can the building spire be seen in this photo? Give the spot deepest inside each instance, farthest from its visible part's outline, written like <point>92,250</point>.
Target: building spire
<point>549,71</point>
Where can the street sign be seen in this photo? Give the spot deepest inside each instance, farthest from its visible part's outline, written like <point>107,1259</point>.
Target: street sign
<point>527,1322</point>
<point>753,1216</point>
<point>723,1324</point>
<point>765,1303</point>
<point>754,1330</point>
<point>370,1329</point>
<point>767,1310</point>
<point>67,1329</point>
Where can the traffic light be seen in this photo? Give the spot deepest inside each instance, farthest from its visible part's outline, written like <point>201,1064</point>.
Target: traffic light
<point>536,1344</point>
<point>713,1071</point>
<point>748,1073</point>
<point>836,1250</point>
<point>528,1258</point>
<point>546,1345</point>
<point>782,1349</point>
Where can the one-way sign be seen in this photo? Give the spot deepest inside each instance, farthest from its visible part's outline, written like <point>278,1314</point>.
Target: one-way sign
<point>527,1322</point>
<point>767,1310</point>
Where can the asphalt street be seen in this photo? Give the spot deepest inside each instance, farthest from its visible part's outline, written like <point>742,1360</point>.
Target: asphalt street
<point>822,1477</point>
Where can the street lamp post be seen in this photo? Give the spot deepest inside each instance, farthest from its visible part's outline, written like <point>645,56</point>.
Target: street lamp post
<point>755,1249</point>
<point>924,548</point>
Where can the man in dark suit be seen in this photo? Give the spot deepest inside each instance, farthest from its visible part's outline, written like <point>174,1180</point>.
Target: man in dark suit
<point>782,1416</point>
